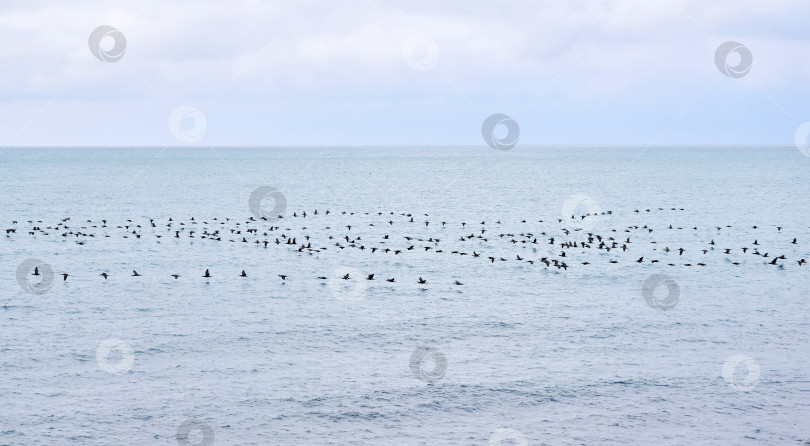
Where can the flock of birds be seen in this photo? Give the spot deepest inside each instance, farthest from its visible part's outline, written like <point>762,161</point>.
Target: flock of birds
<point>401,234</point>
<point>208,275</point>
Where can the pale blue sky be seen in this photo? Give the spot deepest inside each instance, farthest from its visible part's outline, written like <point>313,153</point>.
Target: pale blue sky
<point>400,73</point>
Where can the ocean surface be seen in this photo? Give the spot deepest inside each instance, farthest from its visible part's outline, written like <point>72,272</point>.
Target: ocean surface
<point>696,348</point>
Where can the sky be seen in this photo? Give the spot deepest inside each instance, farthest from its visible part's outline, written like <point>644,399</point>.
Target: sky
<point>381,72</point>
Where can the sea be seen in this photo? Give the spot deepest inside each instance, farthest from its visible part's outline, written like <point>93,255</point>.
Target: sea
<point>705,346</point>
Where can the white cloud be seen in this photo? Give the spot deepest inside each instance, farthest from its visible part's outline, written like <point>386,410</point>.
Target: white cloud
<point>192,52</point>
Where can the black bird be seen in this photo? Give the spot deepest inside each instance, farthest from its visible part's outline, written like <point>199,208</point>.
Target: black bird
<point>135,273</point>
<point>283,276</point>
<point>422,281</point>
<point>104,275</point>
<point>36,270</point>
<point>346,277</point>
<point>322,277</point>
<point>458,283</point>
<point>175,276</point>
<point>244,274</point>
<point>370,277</point>
<point>64,277</point>
<point>207,274</point>
<point>390,280</point>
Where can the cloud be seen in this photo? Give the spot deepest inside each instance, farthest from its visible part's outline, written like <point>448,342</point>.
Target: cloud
<point>252,55</point>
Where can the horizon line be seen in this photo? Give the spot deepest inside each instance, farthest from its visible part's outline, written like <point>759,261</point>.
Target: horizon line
<point>362,146</point>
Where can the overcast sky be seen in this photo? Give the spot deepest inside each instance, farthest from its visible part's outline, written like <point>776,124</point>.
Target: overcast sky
<point>384,72</point>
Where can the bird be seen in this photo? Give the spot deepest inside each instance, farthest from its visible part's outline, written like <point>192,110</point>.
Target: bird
<point>175,276</point>
<point>104,275</point>
<point>458,283</point>
<point>422,281</point>
<point>283,276</point>
<point>244,274</point>
<point>370,277</point>
<point>346,277</point>
<point>64,277</point>
<point>36,270</point>
<point>390,280</point>
<point>135,273</point>
<point>207,274</point>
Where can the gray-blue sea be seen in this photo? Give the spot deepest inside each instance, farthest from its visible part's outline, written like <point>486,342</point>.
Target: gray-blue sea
<point>707,346</point>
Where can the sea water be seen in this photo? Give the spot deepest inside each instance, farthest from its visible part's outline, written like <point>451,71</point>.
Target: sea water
<point>519,353</point>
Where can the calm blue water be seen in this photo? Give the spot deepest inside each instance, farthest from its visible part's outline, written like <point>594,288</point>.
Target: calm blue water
<point>548,355</point>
